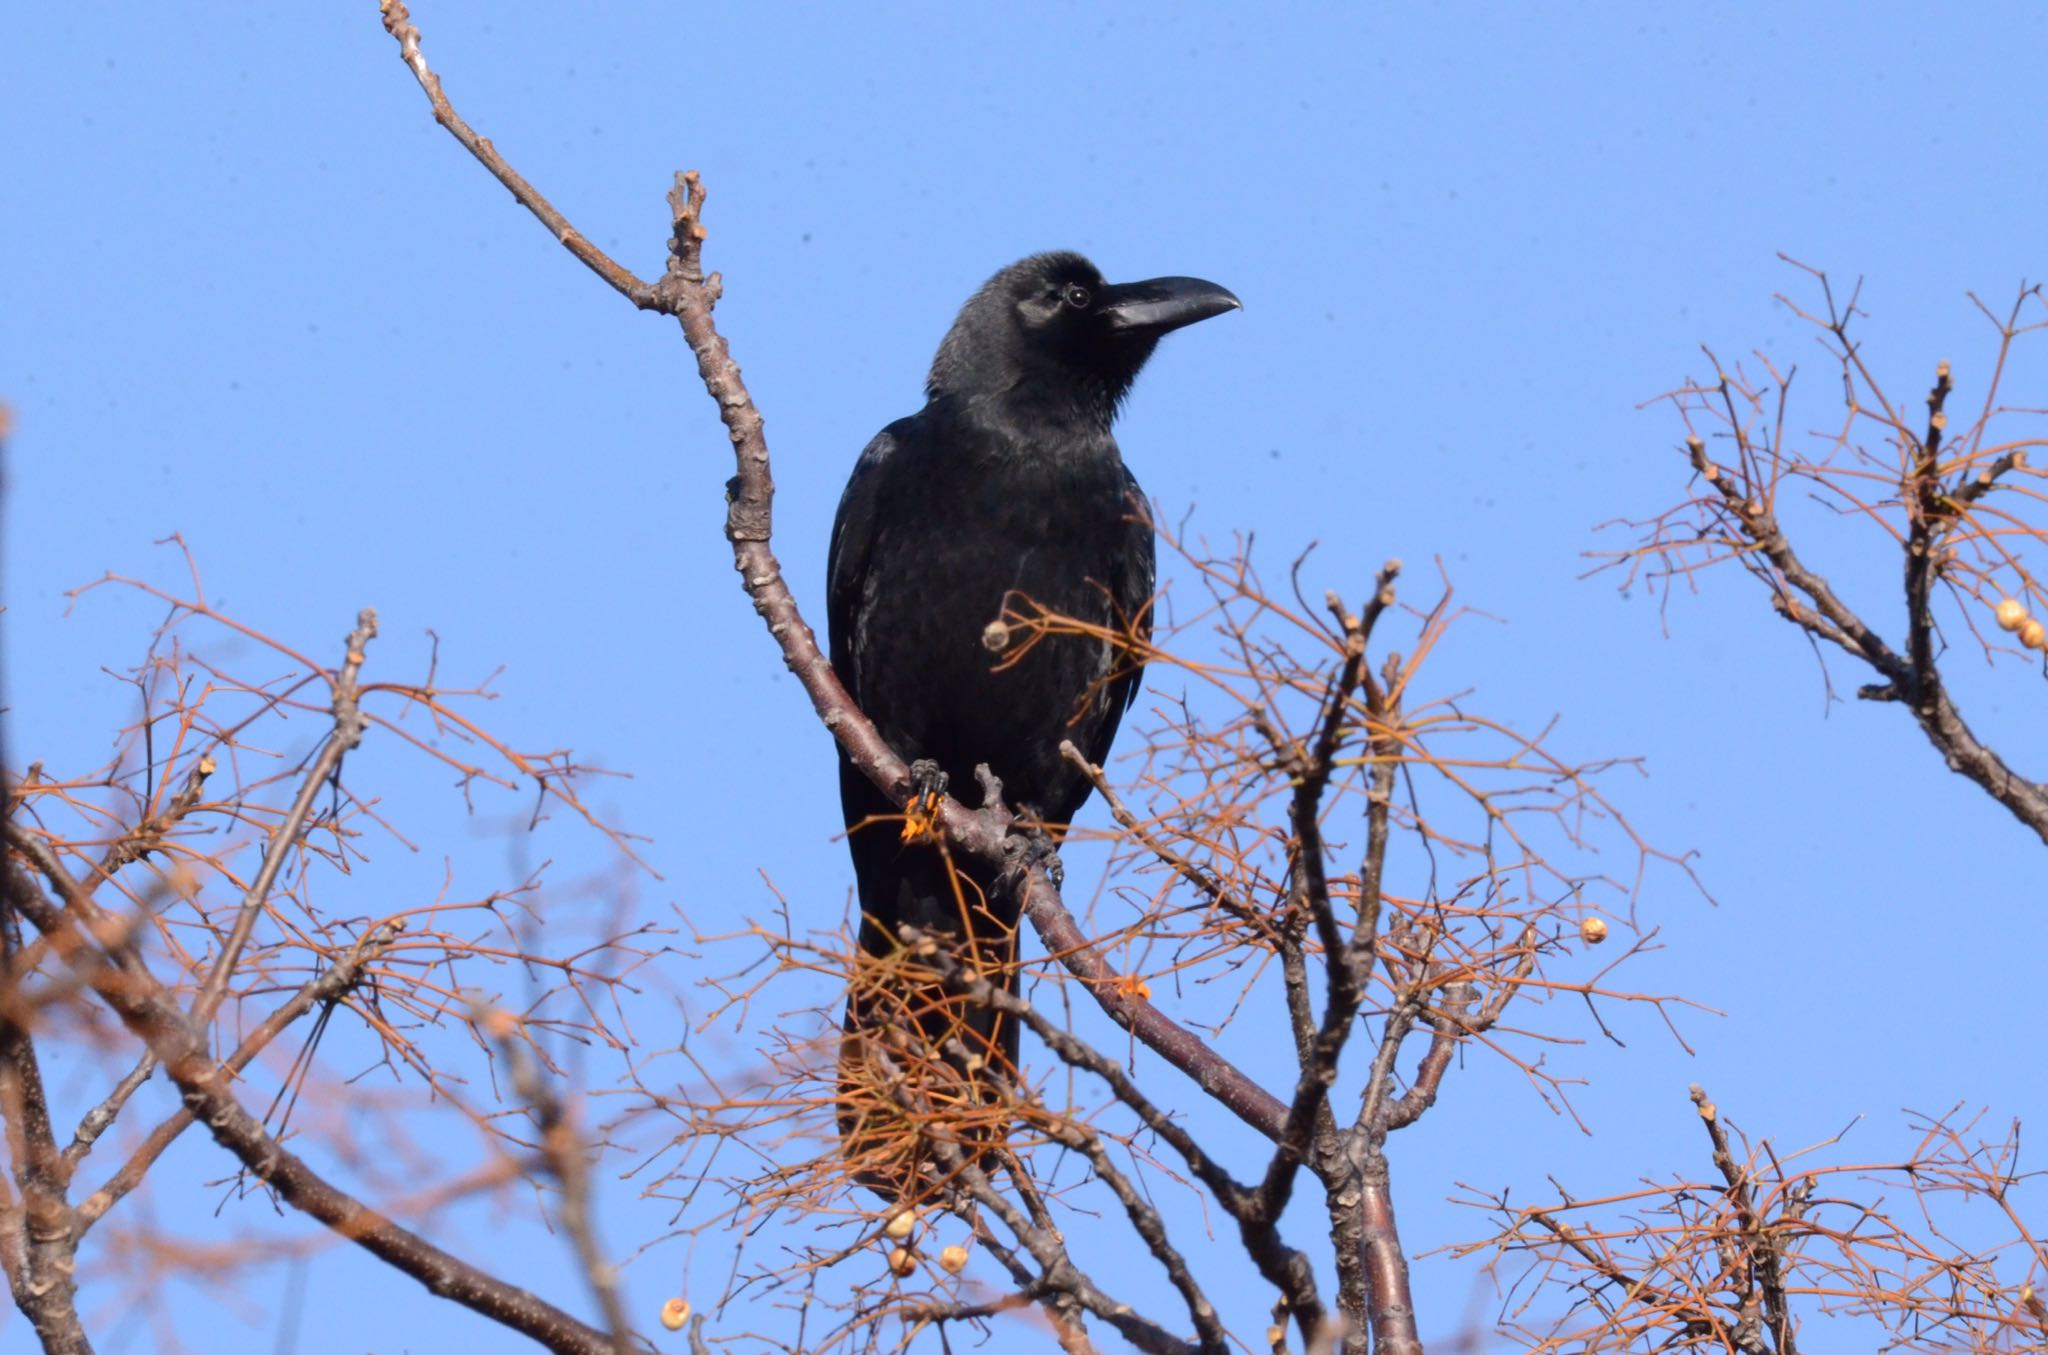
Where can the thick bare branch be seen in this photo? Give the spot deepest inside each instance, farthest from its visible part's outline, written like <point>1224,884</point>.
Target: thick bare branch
<point>41,1244</point>
<point>329,987</point>
<point>208,1089</point>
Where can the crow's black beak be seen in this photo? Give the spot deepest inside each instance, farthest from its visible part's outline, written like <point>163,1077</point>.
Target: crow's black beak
<point>1160,304</point>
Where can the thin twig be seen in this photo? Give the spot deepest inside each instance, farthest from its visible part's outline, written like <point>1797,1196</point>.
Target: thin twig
<point>562,1149</point>
<point>349,725</point>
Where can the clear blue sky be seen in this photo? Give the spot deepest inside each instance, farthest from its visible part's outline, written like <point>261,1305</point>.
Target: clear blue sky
<point>252,294</point>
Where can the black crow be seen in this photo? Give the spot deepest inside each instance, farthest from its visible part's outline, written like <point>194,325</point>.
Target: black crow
<point>1006,485</point>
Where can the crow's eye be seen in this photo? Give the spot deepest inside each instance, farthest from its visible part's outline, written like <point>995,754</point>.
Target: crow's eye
<point>1075,295</point>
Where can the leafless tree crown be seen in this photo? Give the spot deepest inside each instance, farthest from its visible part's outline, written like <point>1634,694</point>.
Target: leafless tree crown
<point>1332,879</point>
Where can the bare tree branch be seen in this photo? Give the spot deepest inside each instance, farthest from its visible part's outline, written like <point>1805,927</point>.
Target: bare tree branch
<point>562,1149</point>
<point>348,733</point>
<point>39,1229</point>
<point>207,1087</point>
<point>1933,496</point>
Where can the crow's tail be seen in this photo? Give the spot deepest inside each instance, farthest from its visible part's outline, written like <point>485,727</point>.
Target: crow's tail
<point>920,1058</point>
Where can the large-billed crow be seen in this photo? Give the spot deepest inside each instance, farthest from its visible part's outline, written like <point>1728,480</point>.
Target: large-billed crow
<point>1006,482</point>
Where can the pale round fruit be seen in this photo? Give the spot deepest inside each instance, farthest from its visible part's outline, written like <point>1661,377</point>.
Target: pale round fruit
<point>953,1259</point>
<point>1593,931</point>
<point>2011,614</point>
<point>675,1313</point>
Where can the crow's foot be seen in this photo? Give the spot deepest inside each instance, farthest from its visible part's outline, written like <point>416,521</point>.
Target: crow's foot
<point>1025,842</point>
<point>1030,845</point>
<point>928,782</point>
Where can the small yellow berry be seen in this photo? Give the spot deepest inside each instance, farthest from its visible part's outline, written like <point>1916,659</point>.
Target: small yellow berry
<point>2034,635</point>
<point>675,1313</point>
<point>899,1225</point>
<point>953,1259</point>
<point>1593,931</point>
<point>2011,614</point>
<point>902,1261</point>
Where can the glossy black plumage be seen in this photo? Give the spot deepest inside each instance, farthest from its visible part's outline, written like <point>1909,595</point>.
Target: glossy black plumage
<point>1007,482</point>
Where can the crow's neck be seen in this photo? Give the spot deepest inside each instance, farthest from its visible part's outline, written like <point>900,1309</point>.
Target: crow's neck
<point>1043,425</point>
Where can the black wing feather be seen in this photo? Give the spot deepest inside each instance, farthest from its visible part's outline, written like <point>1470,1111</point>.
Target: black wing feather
<point>1137,578</point>
<point>853,540</point>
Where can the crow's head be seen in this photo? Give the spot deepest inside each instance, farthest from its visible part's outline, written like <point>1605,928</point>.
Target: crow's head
<point>1048,330</point>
